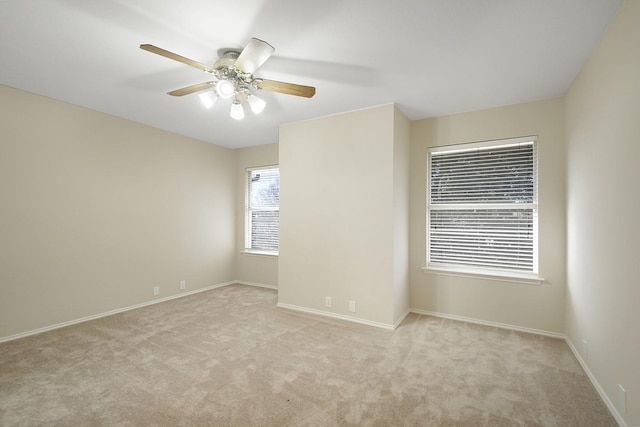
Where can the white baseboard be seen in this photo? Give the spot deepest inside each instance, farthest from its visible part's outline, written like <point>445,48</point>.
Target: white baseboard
<point>401,319</point>
<point>614,411</point>
<point>258,285</point>
<point>488,323</point>
<point>336,316</point>
<point>112,312</point>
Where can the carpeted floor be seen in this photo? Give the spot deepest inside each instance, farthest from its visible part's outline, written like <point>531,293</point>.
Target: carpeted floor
<point>230,357</point>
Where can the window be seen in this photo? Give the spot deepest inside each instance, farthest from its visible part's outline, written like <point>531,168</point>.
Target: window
<point>262,210</point>
<point>482,207</point>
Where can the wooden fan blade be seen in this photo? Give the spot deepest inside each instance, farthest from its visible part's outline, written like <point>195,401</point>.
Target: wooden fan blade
<point>191,89</point>
<point>159,51</point>
<point>254,55</point>
<point>287,88</point>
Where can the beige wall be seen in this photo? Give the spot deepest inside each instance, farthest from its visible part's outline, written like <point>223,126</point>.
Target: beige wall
<point>337,213</point>
<point>96,210</point>
<point>251,268</point>
<point>603,145</point>
<point>526,306</point>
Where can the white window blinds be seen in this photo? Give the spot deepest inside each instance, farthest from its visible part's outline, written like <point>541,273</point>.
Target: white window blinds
<point>263,202</point>
<point>482,206</point>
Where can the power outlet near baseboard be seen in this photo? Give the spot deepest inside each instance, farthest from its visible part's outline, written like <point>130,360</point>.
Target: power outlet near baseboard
<point>183,284</point>
<point>352,306</point>
<point>327,302</point>
<point>156,290</point>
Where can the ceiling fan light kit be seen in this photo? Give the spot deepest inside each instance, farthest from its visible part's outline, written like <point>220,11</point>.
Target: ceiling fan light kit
<point>234,78</point>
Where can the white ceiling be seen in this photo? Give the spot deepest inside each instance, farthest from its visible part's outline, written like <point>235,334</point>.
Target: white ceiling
<point>430,57</point>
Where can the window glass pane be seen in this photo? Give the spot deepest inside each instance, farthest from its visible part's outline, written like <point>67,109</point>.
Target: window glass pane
<point>497,238</point>
<point>264,188</point>
<point>264,230</point>
<point>496,175</point>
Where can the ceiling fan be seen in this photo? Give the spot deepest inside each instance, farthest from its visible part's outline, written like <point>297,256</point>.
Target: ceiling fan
<point>234,78</point>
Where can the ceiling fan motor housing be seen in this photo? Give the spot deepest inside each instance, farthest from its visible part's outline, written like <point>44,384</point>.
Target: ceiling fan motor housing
<point>224,68</point>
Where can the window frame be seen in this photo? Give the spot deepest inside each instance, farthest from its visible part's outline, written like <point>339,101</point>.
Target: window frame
<point>248,210</point>
<point>489,273</point>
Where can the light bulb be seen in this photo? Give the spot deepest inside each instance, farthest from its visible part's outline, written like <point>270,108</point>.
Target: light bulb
<point>225,89</point>
<point>237,112</point>
<point>256,104</point>
<point>208,99</point>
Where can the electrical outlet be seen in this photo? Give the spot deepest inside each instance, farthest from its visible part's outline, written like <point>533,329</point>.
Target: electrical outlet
<point>352,306</point>
<point>622,397</point>
<point>327,302</point>
<point>156,290</point>
<point>585,350</point>
<point>183,284</point>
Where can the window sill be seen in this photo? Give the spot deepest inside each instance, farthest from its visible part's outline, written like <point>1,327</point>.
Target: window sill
<point>528,279</point>
<point>260,253</point>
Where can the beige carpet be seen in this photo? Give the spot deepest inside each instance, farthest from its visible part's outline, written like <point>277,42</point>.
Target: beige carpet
<point>230,357</point>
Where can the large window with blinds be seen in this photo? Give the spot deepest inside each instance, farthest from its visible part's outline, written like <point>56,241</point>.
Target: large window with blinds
<point>262,210</point>
<point>482,207</point>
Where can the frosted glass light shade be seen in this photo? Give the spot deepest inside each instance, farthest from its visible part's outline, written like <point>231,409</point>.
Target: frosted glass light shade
<point>256,104</point>
<point>237,112</point>
<point>208,99</point>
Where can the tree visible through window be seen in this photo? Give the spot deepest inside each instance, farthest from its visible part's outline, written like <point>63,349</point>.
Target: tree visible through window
<point>263,209</point>
<point>482,206</point>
